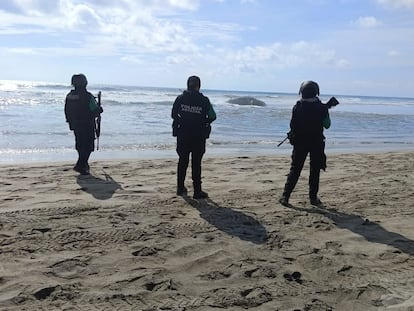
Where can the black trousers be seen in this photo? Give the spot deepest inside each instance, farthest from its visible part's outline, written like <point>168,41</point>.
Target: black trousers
<point>85,144</point>
<point>196,147</point>
<point>317,162</point>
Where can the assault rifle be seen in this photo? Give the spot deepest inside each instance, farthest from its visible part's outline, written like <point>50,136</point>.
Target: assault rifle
<point>332,102</point>
<point>98,120</point>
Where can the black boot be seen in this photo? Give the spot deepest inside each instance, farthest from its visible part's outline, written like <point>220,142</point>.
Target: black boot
<point>284,200</point>
<point>316,202</point>
<point>82,165</point>
<point>181,190</point>
<point>198,193</point>
<point>181,173</point>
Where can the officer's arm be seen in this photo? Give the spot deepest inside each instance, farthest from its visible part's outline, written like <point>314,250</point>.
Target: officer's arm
<point>326,122</point>
<point>293,121</point>
<point>66,110</point>
<point>174,111</point>
<point>93,106</point>
<point>211,114</point>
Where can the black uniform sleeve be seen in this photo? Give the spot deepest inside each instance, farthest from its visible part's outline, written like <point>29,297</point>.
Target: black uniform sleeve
<point>68,112</point>
<point>174,112</point>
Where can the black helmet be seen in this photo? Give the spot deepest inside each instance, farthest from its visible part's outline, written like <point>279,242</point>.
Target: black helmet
<point>79,80</point>
<point>193,83</point>
<point>309,89</point>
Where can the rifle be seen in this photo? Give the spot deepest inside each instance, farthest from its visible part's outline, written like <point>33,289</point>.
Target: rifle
<point>98,121</point>
<point>332,102</point>
<point>280,144</point>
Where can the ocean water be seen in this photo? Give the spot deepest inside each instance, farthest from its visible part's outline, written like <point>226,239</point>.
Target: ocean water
<point>136,123</point>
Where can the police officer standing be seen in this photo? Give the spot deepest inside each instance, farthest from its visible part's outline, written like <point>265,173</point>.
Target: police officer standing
<point>81,110</point>
<point>309,118</point>
<point>192,113</point>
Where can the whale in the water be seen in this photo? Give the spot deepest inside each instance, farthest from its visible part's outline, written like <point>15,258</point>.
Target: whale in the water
<point>246,101</point>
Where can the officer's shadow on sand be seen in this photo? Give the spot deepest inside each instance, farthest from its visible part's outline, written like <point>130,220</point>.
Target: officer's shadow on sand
<point>370,230</point>
<point>232,222</point>
<point>101,189</point>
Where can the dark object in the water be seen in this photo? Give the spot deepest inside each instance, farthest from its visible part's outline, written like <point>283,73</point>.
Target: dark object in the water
<point>246,101</point>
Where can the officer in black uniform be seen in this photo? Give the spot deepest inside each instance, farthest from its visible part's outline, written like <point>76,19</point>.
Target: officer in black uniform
<point>192,113</point>
<point>81,110</point>
<point>309,118</point>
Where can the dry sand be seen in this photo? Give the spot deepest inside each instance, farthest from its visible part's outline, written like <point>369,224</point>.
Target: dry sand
<point>122,240</point>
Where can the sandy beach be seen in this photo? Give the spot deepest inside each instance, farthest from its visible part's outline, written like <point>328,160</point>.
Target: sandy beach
<point>121,239</point>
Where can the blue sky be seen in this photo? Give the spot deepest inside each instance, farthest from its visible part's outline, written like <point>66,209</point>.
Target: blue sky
<point>351,47</point>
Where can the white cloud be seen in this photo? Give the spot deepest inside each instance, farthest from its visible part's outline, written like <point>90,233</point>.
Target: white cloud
<point>184,4</point>
<point>178,59</point>
<point>398,3</point>
<point>132,59</point>
<point>82,17</point>
<point>170,37</point>
<point>36,7</point>
<point>27,51</point>
<point>124,25</point>
<point>367,22</point>
<point>265,58</point>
